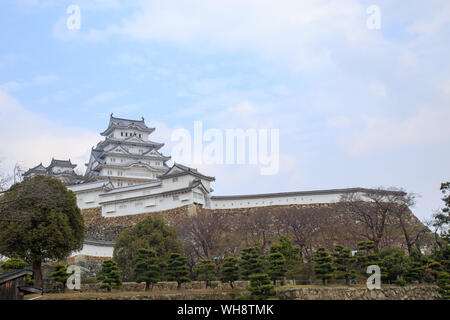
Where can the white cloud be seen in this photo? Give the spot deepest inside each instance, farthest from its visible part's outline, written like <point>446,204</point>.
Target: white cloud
<point>36,81</point>
<point>430,27</point>
<point>340,122</point>
<point>298,31</point>
<point>243,109</point>
<point>378,89</point>
<point>30,138</point>
<point>427,126</point>
<point>102,98</point>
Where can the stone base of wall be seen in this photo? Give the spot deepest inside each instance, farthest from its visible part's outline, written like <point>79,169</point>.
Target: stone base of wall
<point>387,292</point>
<point>411,292</point>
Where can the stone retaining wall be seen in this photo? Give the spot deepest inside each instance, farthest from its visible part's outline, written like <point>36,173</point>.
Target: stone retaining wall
<point>411,292</point>
<point>387,292</point>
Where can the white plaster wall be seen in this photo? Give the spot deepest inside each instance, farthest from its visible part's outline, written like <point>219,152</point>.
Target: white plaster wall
<point>95,251</point>
<point>273,200</point>
<point>146,205</point>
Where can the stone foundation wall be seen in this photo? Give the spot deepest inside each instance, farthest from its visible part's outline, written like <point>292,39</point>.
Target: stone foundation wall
<point>107,229</point>
<point>411,292</point>
<point>387,292</point>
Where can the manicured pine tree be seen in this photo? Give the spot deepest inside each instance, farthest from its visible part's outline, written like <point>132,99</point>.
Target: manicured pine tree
<point>277,266</point>
<point>415,267</point>
<point>206,271</point>
<point>261,287</point>
<point>14,264</point>
<point>109,275</point>
<point>60,275</point>
<point>443,282</point>
<point>230,271</point>
<point>292,254</point>
<point>177,269</point>
<point>366,257</point>
<point>323,267</point>
<point>147,267</point>
<point>343,263</point>
<point>251,262</point>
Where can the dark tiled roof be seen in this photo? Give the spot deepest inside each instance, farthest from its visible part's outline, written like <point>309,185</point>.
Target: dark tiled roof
<point>38,169</point>
<point>301,193</point>
<point>15,274</point>
<point>124,123</point>
<point>61,163</point>
<point>185,170</point>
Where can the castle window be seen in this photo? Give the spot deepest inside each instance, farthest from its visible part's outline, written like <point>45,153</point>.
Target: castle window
<point>175,198</point>
<point>121,133</point>
<point>175,179</point>
<point>140,136</point>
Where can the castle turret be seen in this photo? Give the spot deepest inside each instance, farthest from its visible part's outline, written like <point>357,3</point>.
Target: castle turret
<point>126,156</point>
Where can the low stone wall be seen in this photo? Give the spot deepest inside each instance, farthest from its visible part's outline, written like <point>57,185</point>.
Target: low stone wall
<point>387,292</point>
<point>167,286</point>
<point>411,292</point>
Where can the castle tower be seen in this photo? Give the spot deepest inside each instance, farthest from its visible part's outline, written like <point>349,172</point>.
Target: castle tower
<point>126,156</point>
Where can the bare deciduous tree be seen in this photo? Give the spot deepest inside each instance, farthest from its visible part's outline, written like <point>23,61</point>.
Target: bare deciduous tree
<point>381,212</point>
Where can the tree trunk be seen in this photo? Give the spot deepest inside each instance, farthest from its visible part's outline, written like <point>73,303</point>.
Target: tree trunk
<point>37,271</point>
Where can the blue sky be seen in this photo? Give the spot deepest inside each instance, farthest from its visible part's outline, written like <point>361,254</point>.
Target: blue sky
<point>355,107</point>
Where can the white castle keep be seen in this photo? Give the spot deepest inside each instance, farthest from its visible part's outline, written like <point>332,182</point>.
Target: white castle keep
<point>126,175</point>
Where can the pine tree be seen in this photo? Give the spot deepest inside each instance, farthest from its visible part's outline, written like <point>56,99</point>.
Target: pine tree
<point>147,267</point>
<point>14,264</point>
<point>251,262</point>
<point>366,256</point>
<point>60,275</point>
<point>206,270</point>
<point>343,264</point>
<point>177,269</point>
<point>277,266</point>
<point>443,283</point>
<point>292,254</point>
<point>230,270</point>
<point>323,267</point>
<point>260,286</point>
<point>109,275</point>
<point>415,267</point>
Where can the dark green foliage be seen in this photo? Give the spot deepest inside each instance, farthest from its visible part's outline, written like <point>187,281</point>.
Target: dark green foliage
<point>177,269</point>
<point>443,283</point>
<point>40,222</point>
<point>277,266</point>
<point>14,264</point>
<point>415,267</point>
<point>343,263</point>
<point>206,271</point>
<point>431,270</point>
<point>394,264</point>
<point>251,262</point>
<point>147,267</point>
<point>292,254</point>
<point>366,256</point>
<point>110,275</point>
<point>150,233</point>
<point>323,267</point>
<point>230,270</point>
<point>260,286</point>
<point>60,275</point>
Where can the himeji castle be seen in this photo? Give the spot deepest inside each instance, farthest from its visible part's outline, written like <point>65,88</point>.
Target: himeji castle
<point>128,175</point>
